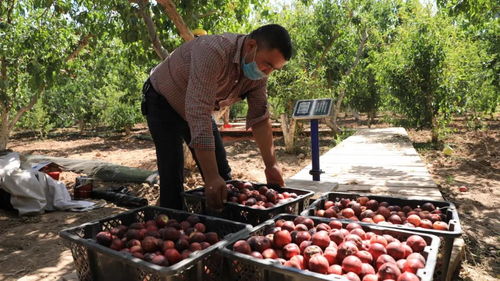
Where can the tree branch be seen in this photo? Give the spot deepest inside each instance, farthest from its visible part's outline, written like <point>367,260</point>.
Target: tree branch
<point>84,41</point>
<point>174,16</point>
<point>3,68</point>
<point>333,122</point>
<point>150,26</point>
<point>329,46</point>
<point>3,90</point>
<point>4,114</point>
<point>361,46</point>
<point>207,14</point>
<point>25,108</point>
<point>9,11</point>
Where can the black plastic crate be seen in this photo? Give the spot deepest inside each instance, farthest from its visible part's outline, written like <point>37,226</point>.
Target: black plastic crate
<point>96,262</point>
<point>448,236</point>
<point>195,203</point>
<point>246,268</point>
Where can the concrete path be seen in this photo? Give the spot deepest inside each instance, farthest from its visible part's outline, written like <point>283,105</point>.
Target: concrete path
<point>378,161</point>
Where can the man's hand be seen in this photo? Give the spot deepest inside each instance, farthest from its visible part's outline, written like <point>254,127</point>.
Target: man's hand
<point>216,193</point>
<point>274,175</point>
<point>215,186</point>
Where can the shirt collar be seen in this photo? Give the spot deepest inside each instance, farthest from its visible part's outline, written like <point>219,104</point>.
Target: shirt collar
<point>239,45</point>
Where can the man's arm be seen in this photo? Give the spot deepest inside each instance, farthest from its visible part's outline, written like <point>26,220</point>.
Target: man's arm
<point>207,63</point>
<point>263,135</point>
<point>215,186</point>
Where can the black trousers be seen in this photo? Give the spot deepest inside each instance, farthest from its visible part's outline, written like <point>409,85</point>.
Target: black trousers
<point>169,130</point>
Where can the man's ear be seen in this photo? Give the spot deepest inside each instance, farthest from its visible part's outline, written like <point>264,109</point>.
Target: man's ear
<point>251,43</point>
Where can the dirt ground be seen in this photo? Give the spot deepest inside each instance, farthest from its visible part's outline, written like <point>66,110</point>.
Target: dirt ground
<point>30,248</point>
<point>475,164</point>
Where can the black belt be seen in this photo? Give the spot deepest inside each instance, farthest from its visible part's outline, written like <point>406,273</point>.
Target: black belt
<point>145,89</point>
<point>147,85</point>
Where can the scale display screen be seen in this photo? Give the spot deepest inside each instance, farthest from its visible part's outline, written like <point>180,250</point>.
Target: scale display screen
<point>312,109</point>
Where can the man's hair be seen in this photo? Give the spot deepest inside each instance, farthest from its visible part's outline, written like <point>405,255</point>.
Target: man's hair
<point>273,36</point>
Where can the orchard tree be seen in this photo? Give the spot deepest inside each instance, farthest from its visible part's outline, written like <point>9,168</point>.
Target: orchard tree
<point>343,33</point>
<point>330,39</point>
<point>363,93</point>
<point>432,70</point>
<point>90,57</point>
<point>362,90</point>
<point>479,21</point>
<point>58,41</point>
<point>367,25</point>
<point>37,41</point>
<point>301,78</point>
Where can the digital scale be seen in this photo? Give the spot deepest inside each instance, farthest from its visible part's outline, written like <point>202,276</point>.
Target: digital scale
<point>313,110</point>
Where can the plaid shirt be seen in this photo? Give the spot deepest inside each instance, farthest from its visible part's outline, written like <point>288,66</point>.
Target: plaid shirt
<point>204,75</point>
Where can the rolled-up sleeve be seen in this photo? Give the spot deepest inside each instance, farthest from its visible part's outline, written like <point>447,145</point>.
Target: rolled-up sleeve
<point>258,109</point>
<point>206,66</point>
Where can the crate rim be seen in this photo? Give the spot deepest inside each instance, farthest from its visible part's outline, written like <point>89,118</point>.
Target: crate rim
<point>167,270</point>
<point>455,219</point>
<point>268,263</point>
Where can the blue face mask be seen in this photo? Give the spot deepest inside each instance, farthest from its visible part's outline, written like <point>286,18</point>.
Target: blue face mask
<point>251,70</point>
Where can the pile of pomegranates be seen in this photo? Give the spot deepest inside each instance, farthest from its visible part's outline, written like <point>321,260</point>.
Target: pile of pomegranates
<point>256,196</point>
<point>163,241</point>
<point>371,211</point>
<point>331,248</point>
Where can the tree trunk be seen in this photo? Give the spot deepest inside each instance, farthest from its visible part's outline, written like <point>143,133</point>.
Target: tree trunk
<point>4,133</point>
<point>325,51</point>
<point>435,129</point>
<point>174,16</point>
<point>81,125</point>
<point>162,53</point>
<point>150,26</point>
<point>332,123</point>
<point>189,162</point>
<point>222,114</point>
<point>84,41</point>
<point>225,117</point>
<point>355,114</point>
<point>288,128</point>
<point>371,117</point>
<point>8,125</point>
<point>23,109</point>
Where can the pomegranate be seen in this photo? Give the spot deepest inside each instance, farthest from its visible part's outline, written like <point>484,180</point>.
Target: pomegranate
<point>321,239</point>
<point>388,271</point>
<point>376,250</point>
<point>318,263</point>
<point>396,250</point>
<point>281,238</point>
<point>416,256</point>
<point>365,256</point>
<point>351,276</point>
<point>334,224</point>
<point>352,264</point>
<point>335,269</point>
<point>331,254</point>
<point>416,243</point>
<point>370,277</point>
<point>367,268</point>
<point>412,265</point>
<point>345,249</point>
<point>408,276</point>
<point>383,259</point>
